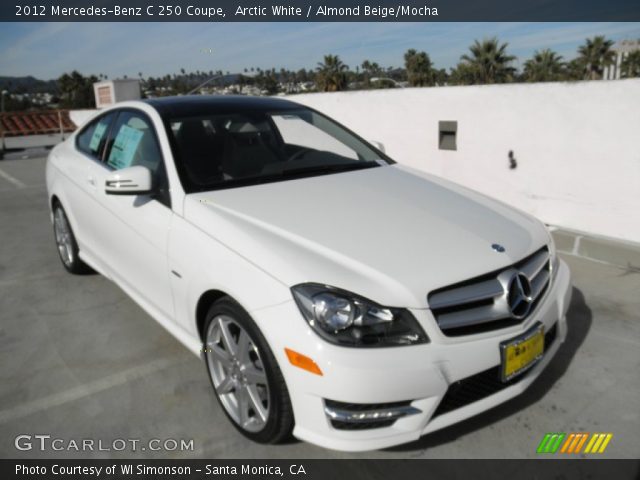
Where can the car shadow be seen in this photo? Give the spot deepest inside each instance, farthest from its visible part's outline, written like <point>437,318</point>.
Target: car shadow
<point>579,320</point>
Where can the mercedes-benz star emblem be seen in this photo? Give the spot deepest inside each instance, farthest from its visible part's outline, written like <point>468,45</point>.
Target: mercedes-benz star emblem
<point>497,247</point>
<point>519,296</point>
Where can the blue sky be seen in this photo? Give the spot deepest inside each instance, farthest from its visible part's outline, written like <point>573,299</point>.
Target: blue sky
<point>46,50</point>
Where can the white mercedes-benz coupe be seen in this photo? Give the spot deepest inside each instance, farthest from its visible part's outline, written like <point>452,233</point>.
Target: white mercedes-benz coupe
<point>332,293</point>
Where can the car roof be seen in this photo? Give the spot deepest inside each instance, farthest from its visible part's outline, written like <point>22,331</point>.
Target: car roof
<point>194,105</point>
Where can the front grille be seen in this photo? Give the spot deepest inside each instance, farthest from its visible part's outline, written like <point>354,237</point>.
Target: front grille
<point>347,410</point>
<point>483,384</point>
<point>482,303</point>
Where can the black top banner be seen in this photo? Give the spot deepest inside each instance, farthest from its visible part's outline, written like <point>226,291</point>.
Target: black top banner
<point>319,10</point>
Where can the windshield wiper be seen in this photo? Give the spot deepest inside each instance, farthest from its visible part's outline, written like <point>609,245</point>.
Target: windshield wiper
<point>290,174</point>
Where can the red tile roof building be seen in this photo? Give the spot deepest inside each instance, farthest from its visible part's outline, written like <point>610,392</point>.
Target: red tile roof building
<point>14,124</point>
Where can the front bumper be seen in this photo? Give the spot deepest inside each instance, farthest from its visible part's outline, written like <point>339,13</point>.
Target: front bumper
<point>419,375</point>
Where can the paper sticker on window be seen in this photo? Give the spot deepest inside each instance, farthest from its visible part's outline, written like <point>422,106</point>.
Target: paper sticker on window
<point>98,133</point>
<point>124,147</point>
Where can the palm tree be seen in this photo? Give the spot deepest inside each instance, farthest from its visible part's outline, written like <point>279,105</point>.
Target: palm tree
<point>630,66</point>
<point>331,74</point>
<point>369,69</point>
<point>545,66</point>
<point>596,54</point>
<point>574,70</point>
<point>463,74</point>
<point>419,68</point>
<point>490,62</point>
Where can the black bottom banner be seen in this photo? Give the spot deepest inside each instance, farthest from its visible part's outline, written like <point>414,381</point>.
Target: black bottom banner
<point>321,469</point>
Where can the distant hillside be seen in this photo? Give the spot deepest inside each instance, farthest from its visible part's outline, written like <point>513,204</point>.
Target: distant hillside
<point>27,85</point>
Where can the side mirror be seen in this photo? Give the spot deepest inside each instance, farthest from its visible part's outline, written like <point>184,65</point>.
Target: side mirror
<point>378,145</point>
<point>129,181</point>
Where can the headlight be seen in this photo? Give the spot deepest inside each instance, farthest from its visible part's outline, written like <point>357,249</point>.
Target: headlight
<point>346,319</point>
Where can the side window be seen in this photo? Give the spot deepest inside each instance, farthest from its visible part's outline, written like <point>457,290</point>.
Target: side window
<point>93,138</point>
<point>133,142</point>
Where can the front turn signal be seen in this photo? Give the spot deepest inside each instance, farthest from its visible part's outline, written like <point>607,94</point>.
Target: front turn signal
<point>302,361</point>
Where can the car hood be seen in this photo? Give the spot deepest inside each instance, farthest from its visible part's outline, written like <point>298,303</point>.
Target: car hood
<point>391,234</point>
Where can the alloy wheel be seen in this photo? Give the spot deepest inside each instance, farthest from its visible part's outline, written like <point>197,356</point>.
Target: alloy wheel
<point>237,372</point>
<point>63,237</point>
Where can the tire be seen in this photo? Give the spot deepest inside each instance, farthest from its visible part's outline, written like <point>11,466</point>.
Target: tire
<point>66,243</point>
<point>244,374</point>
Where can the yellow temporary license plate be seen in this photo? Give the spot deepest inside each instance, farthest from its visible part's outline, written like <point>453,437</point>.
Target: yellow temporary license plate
<point>521,353</point>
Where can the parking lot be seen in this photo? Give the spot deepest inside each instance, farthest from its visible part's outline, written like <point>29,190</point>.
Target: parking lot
<point>78,359</point>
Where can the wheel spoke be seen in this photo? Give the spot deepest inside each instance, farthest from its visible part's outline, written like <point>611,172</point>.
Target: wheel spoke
<point>256,402</point>
<point>229,343</point>
<point>243,405</point>
<point>225,386</point>
<point>254,376</point>
<point>219,354</point>
<point>243,347</point>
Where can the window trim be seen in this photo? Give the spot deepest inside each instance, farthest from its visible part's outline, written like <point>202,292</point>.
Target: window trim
<point>188,187</point>
<point>163,196</point>
<point>94,121</point>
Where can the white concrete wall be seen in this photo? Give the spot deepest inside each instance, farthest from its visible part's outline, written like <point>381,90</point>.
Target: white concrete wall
<point>80,116</point>
<point>577,144</point>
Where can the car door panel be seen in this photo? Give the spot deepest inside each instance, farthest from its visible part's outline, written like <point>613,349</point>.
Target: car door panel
<point>132,230</point>
<point>78,163</point>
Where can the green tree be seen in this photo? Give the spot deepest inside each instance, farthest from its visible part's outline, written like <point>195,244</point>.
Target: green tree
<point>463,74</point>
<point>331,74</point>
<point>630,66</point>
<point>545,66</point>
<point>441,77</point>
<point>574,70</point>
<point>369,70</point>
<point>490,62</point>
<point>596,54</point>
<point>76,91</point>
<point>419,68</point>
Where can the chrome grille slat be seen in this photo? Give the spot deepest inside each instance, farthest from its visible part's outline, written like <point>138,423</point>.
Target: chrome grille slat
<point>466,294</point>
<point>482,304</point>
<point>538,283</point>
<point>536,263</point>
<point>471,316</point>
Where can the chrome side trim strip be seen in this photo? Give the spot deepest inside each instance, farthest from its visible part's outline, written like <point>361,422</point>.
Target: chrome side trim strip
<point>382,415</point>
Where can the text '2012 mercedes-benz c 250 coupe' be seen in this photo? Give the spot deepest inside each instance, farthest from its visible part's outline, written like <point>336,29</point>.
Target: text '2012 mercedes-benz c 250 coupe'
<point>333,294</point>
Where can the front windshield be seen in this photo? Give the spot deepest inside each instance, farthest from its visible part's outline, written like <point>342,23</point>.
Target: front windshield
<point>238,149</point>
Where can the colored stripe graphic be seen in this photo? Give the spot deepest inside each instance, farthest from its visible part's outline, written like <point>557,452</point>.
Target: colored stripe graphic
<point>551,442</point>
<point>574,442</point>
<point>598,443</point>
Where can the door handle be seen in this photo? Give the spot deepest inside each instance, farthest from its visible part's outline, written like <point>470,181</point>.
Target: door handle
<point>91,181</point>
